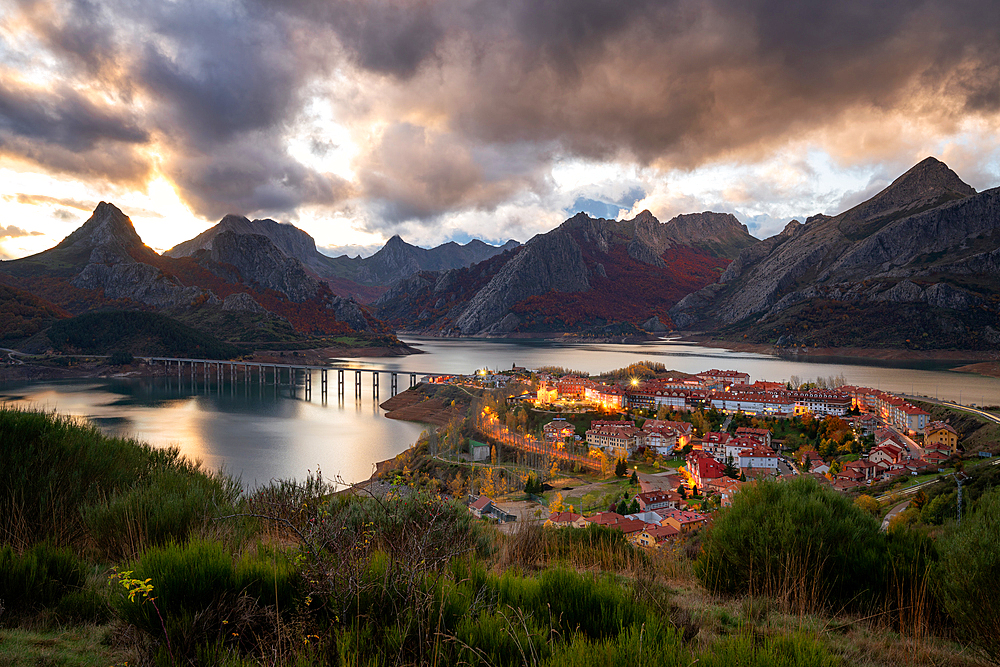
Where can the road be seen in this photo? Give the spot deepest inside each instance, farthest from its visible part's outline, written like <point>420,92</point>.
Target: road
<point>965,408</point>
<point>893,512</point>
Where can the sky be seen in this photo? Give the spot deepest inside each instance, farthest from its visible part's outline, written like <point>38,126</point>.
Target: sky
<point>495,119</point>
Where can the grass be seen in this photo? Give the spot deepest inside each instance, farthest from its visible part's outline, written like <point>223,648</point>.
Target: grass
<point>78,646</point>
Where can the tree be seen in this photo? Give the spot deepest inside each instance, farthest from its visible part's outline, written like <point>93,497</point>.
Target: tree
<point>621,468</point>
<point>731,470</point>
<point>867,504</point>
<point>633,507</point>
<point>557,503</point>
<point>743,476</point>
<point>622,507</point>
<point>120,358</point>
<point>682,491</point>
<point>634,479</point>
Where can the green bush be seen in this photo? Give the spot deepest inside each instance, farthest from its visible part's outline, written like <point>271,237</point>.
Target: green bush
<point>37,579</point>
<point>83,606</point>
<point>795,541</point>
<point>968,571</point>
<point>203,595</point>
<point>166,507</point>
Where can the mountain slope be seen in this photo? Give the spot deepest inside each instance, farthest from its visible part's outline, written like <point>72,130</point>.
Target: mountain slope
<point>586,273</point>
<point>361,278</point>
<point>922,254</point>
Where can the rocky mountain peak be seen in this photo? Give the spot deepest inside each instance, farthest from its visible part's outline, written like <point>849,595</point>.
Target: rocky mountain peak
<point>927,184</point>
<point>928,176</point>
<point>106,226</point>
<point>646,216</point>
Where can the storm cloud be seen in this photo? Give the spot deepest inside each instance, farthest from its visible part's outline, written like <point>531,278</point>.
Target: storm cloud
<point>467,105</point>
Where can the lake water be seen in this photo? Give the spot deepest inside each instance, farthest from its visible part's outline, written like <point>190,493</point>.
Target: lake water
<point>267,432</point>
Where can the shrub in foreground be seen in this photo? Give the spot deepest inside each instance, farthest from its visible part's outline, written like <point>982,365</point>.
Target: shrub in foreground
<point>968,571</point>
<point>203,596</point>
<point>798,542</point>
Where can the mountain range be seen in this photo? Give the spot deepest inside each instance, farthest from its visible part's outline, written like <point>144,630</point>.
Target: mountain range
<point>915,266</point>
<point>363,278</point>
<point>584,275</point>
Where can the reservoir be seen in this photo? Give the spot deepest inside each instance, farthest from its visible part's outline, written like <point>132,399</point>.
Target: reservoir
<point>266,432</point>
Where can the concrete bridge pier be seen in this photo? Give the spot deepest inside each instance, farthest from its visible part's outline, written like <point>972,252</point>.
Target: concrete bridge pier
<point>357,384</point>
<point>374,384</point>
<point>340,382</point>
<point>393,384</point>
<point>413,380</point>
<point>322,382</point>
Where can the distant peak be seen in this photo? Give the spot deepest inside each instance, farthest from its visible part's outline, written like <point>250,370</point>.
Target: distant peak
<point>232,219</point>
<point>932,174</point>
<point>107,224</point>
<point>645,216</point>
<point>396,240</point>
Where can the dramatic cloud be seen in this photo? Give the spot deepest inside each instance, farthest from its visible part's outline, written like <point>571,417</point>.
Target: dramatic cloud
<point>449,113</point>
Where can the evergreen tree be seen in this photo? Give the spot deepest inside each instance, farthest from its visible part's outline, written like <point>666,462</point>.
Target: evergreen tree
<point>681,490</point>
<point>622,507</point>
<point>731,470</point>
<point>633,507</point>
<point>634,479</point>
<point>620,468</point>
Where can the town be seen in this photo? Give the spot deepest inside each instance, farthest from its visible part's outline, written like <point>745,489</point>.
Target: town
<point>685,444</point>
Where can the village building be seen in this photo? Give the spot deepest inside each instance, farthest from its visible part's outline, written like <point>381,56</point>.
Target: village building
<point>758,460</point>
<point>654,536</point>
<point>546,395</point>
<point>483,507</point>
<point>618,442</point>
<point>565,520</point>
<point>724,379</point>
<point>761,435</point>
<point>654,501</point>
<point>684,520</point>
<point>941,434</point>
<point>703,469</point>
<point>557,430</point>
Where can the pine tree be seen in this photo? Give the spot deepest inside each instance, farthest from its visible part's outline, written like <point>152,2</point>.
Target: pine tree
<point>620,468</point>
<point>634,479</point>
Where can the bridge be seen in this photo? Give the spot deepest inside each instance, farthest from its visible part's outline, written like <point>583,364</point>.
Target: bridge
<point>273,373</point>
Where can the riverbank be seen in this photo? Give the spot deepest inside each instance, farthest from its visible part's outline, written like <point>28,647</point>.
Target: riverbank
<point>970,361</point>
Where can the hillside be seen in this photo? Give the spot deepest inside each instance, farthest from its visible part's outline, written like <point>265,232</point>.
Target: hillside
<point>23,314</point>
<point>146,334</point>
<point>244,287</point>
<point>361,278</point>
<point>915,266</point>
<point>587,273</point>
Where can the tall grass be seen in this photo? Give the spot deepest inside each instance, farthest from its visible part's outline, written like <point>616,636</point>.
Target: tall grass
<point>64,482</point>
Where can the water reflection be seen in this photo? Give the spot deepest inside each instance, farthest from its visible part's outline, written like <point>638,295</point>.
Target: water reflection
<point>259,432</point>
